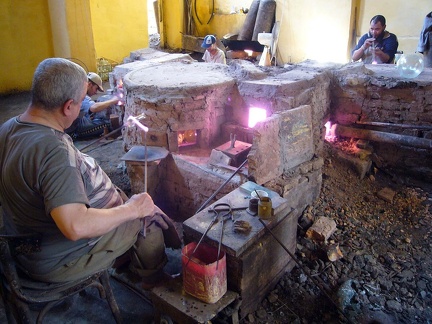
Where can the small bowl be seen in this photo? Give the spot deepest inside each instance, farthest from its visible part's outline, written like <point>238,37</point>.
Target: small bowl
<point>261,194</point>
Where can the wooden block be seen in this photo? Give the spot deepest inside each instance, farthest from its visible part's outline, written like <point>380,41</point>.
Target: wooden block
<point>170,299</point>
<point>322,229</point>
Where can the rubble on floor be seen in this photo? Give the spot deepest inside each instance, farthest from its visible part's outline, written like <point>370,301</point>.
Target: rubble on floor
<point>385,274</point>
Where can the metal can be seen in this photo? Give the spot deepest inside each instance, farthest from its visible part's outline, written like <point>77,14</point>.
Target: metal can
<point>253,205</point>
<point>264,208</point>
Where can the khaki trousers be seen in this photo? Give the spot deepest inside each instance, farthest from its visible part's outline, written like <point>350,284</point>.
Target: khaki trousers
<point>148,253</point>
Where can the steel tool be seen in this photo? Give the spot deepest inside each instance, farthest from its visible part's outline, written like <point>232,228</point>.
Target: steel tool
<point>221,210</point>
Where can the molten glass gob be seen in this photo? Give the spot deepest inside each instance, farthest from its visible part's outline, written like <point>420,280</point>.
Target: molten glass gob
<point>136,121</point>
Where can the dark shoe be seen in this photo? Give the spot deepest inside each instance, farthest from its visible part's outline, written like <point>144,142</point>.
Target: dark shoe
<point>155,280</point>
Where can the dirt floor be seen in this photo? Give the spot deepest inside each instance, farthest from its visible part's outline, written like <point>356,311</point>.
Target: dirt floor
<point>384,274</point>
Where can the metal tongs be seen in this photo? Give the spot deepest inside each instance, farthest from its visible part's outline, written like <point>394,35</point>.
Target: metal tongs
<point>221,210</point>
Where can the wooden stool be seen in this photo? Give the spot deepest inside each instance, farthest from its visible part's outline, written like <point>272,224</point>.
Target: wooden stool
<point>172,301</point>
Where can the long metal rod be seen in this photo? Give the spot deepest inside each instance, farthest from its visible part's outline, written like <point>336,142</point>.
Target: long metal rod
<point>145,163</point>
<point>305,270</point>
<point>381,124</point>
<point>220,188</point>
<point>212,222</point>
<point>101,138</point>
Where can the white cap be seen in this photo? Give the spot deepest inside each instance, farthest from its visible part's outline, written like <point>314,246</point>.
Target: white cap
<point>96,79</point>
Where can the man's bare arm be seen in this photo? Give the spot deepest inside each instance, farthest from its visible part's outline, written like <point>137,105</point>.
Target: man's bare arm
<point>102,105</point>
<point>76,221</point>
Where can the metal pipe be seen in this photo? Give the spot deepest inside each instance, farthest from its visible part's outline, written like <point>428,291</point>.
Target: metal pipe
<point>394,125</point>
<point>220,188</point>
<point>384,137</point>
<point>212,13</point>
<point>101,138</point>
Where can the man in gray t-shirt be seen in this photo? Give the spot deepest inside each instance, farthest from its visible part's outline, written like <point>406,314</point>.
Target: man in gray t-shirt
<point>48,187</point>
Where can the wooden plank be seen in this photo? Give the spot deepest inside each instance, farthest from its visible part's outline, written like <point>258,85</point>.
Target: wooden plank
<point>182,308</point>
<point>193,43</point>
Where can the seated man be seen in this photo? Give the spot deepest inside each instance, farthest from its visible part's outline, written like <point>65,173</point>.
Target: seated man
<point>48,187</point>
<point>425,41</point>
<point>378,45</point>
<point>213,54</point>
<point>93,117</point>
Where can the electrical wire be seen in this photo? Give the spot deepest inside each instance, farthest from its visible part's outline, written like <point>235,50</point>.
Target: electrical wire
<point>196,12</point>
<point>80,63</point>
<point>212,12</point>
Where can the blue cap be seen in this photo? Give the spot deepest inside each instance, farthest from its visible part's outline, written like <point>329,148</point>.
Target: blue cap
<point>209,40</point>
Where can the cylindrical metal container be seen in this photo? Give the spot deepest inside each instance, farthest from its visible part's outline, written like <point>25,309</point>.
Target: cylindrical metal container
<point>249,24</point>
<point>265,208</point>
<point>265,18</point>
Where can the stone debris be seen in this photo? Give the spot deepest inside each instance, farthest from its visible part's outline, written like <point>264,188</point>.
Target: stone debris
<point>334,252</point>
<point>385,275</point>
<point>386,194</point>
<point>322,229</point>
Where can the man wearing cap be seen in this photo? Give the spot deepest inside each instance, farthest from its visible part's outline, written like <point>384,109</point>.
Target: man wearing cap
<point>93,115</point>
<point>213,54</point>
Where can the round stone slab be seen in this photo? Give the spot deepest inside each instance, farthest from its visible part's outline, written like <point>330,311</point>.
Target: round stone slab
<point>178,75</point>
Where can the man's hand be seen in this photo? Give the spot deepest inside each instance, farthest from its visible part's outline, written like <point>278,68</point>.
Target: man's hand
<point>382,55</point>
<point>368,43</point>
<point>143,204</point>
<point>160,218</point>
<point>77,221</point>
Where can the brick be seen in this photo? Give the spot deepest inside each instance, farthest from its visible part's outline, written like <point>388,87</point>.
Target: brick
<point>386,194</point>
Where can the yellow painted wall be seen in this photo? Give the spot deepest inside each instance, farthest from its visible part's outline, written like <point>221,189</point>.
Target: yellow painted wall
<point>114,37</point>
<point>79,25</point>
<point>227,18</point>
<point>105,28</point>
<point>82,30</point>
<point>25,36</point>
<point>313,29</point>
<point>403,18</point>
<point>171,23</point>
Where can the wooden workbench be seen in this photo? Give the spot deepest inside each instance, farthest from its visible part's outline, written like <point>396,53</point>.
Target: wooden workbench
<point>255,261</point>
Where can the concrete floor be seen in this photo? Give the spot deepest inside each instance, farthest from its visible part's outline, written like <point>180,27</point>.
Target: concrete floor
<point>134,302</point>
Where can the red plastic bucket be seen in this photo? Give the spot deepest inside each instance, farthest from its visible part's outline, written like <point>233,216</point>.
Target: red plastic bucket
<point>201,279</point>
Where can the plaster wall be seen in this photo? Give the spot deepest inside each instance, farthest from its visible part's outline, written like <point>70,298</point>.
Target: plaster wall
<point>25,36</point>
<point>81,30</point>
<point>226,17</point>
<point>80,33</point>
<point>313,29</point>
<point>87,29</point>
<point>118,27</point>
